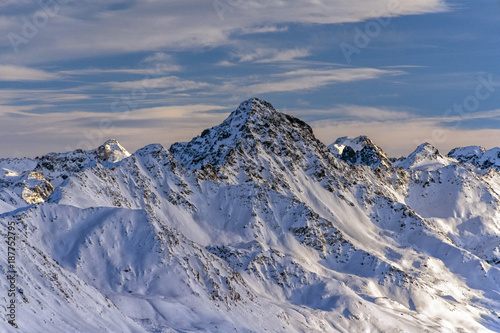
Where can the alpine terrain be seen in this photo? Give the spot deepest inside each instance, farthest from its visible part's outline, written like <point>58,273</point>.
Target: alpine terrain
<point>252,226</point>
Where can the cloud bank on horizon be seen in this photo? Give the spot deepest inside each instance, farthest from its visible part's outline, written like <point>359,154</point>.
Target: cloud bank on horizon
<point>74,73</point>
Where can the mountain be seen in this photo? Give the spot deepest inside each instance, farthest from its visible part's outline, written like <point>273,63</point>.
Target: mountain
<point>425,157</point>
<point>477,156</point>
<point>28,181</point>
<point>359,151</point>
<point>255,225</point>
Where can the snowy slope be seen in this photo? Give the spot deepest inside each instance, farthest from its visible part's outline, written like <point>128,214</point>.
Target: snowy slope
<point>256,225</point>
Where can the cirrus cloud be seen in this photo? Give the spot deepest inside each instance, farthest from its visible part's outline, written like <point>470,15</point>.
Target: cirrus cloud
<point>20,73</point>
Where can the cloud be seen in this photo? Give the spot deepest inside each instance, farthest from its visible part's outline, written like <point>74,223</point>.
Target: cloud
<point>98,71</point>
<point>306,79</point>
<point>158,62</point>
<point>263,30</point>
<point>158,57</point>
<point>177,112</point>
<point>162,62</point>
<point>225,63</point>
<point>18,73</point>
<point>267,55</point>
<point>171,82</point>
<point>404,66</point>
<point>355,112</point>
<point>365,113</point>
<point>93,28</point>
<point>38,96</point>
<point>491,114</point>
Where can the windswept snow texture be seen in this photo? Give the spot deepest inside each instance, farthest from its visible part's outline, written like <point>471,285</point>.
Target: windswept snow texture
<point>254,226</point>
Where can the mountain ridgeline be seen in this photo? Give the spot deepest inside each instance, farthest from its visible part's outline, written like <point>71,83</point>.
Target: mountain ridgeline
<point>254,226</point>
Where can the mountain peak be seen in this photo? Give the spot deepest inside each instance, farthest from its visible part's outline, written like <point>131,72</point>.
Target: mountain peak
<point>254,121</point>
<point>426,149</point>
<point>425,157</point>
<point>356,144</point>
<point>255,105</point>
<point>360,150</point>
<point>111,142</point>
<point>253,112</point>
<point>477,156</point>
<point>112,151</point>
<point>467,154</point>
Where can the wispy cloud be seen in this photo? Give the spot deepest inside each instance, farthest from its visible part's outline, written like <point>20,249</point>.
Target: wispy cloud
<point>158,57</point>
<point>225,63</point>
<point>355,113</point>
<point>99,71</point>
<point>264,29</point>
<point>158,62</point>
<point>267,55</point>
<point>38,96</point>
<point>162,61</point>
<point>491,114</point>
<point>305,79</point>
<point>171,82</point>
<point>404,66</point>
<point>19,73</point>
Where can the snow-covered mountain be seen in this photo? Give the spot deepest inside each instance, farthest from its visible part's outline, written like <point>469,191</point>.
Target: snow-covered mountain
<point>478,156</point>
<point>425,157</point>
<point>253,226</point>
<point>28,181</point>
<point>360,150</point>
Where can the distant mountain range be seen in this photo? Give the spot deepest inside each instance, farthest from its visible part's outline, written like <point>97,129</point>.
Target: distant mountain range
<point>253,226</point>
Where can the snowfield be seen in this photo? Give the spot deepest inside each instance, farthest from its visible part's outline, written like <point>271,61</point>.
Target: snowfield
<point>253,226</point>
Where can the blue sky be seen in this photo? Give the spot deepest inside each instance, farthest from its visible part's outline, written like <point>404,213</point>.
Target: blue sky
<point>75,73</point>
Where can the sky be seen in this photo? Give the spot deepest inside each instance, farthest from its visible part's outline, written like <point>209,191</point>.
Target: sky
<point>76,73</point>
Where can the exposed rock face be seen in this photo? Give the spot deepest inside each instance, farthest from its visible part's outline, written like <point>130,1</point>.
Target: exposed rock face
<point>359,151</point>
<point>111,151</point>
<point>37,188</point>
